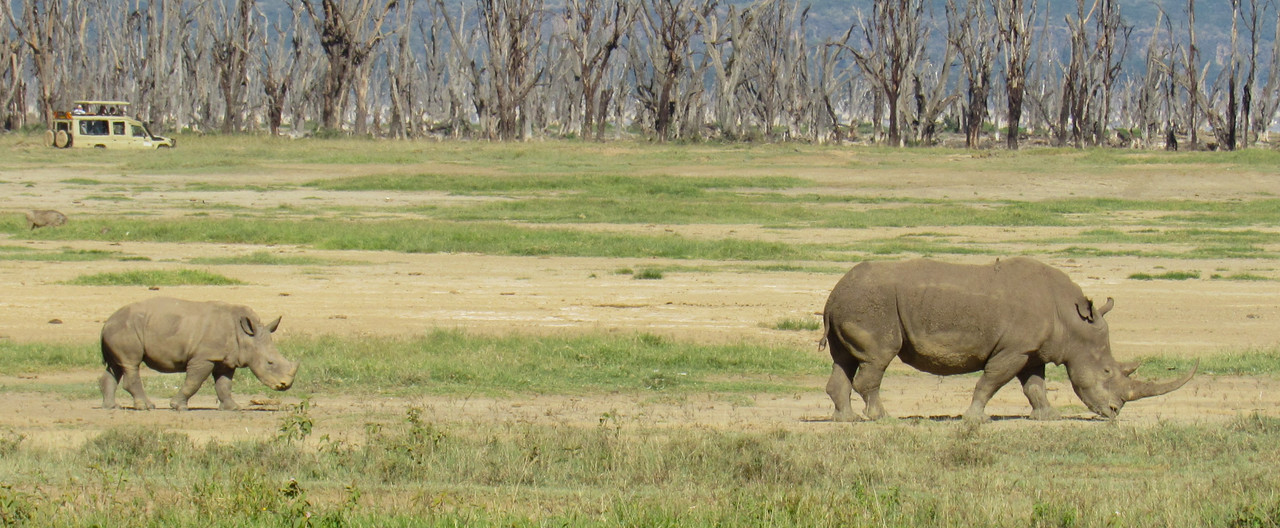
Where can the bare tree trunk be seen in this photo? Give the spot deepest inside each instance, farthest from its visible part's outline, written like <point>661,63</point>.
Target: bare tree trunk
<point>1016,35</point>
<point>513,30</point>
<point>659,62</point>
<point>973,33</point>
<point>1269,100</point>
<point>231,55</point>
<point>41,31</point>
<point>12,94</point>
<point>348,30</point>
<point>594,31</point>
<point>893,42</point>
<point>1153,108</point>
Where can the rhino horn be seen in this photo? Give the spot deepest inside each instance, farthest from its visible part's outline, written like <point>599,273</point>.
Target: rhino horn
<point>1130,367</point>
<point>1138,390</point>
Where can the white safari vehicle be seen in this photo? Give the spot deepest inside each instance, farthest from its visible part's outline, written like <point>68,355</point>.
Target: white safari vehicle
<point>102,124</point>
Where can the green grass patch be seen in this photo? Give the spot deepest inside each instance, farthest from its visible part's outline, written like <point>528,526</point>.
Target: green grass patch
<point>267,258</point>
<point>62,255</point>
<point>410,470</point>
<point>807,324</point>
<point>1168,275</point>
<point>455,362</point>
<point>1250,362</point>
<point>183,277</point>
<point>413,236</point>
<point>1247,277</point>
<point>648,274</point>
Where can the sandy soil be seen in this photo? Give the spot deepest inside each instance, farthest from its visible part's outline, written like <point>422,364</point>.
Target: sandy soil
<point>383,293</point>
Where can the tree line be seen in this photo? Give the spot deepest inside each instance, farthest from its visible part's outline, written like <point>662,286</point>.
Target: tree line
<point>904,72</point>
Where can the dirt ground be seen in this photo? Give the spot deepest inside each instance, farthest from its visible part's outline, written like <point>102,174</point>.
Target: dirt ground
<point>384,293</point>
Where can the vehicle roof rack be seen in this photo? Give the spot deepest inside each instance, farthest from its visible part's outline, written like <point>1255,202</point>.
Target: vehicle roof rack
<point>116,103</point>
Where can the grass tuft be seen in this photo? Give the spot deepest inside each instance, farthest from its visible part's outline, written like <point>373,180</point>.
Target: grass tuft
<point>184,277</point>
<point>1168,275</point>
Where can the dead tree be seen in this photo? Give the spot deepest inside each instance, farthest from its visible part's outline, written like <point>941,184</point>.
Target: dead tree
<point>659,61</point>
<point>12,92</point>
<point>1153,106</point>
<point>281,54</point>
<point>512,32</point>
<point>726,41</point>
<point>831,82</point>
<point>232,37</point>
<point>41,31</point>
<point>893,41</point>
<point>1267,99</point>
<point>1015,39</point>
<point>594,30</point>
<point>348,31</point>
<point>402,69</point>
<point>777,85</point>
<point>972,32</point>
<point>470,93</point>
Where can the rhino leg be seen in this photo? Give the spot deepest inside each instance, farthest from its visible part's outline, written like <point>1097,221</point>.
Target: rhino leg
<point>222,377</point>
<point>131,380</point>
<point>840,388</point>
<point>1000,369</point>
<point>867,383</point>
<point>197,372</point>
<point>108,383</point>
<point>1033,386</point>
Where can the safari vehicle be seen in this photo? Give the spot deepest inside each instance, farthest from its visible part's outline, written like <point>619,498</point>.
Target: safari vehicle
<point>102,124</point>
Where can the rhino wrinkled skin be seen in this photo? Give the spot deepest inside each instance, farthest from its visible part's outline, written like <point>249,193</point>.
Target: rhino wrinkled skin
<point>199,338</point>
<point>1007,319</point>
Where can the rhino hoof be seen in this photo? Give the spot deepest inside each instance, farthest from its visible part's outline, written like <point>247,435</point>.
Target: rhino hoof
<point>1045,414</point>
<point>178,406</point>
<point>228,406</point>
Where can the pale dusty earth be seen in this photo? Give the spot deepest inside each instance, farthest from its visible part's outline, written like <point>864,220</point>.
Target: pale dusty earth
<point>385,293</point>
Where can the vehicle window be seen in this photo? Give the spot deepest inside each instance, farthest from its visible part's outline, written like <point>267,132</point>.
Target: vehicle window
<point>138,131</point>
<point>117,128</point>
<point>93,127</point>
<point>64,126</point>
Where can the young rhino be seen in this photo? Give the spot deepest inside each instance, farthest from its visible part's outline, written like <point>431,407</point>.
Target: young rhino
<point>199,338</point>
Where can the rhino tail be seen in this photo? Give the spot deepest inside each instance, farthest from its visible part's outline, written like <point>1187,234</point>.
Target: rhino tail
<point>826,329</point>
<point>109,359</point>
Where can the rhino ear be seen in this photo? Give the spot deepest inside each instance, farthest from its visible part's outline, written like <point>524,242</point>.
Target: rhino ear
<point>1106,307</point>
<point>246,326</point>
<point>1084,307</point>
<point>273,325</point>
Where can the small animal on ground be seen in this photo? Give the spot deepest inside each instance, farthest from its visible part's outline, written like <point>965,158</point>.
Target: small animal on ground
<point>199,338</point>
<point>1007,319</point>
<point>45,218</point>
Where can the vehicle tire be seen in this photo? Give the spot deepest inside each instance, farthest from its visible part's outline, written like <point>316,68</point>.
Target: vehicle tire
<point>61,139</point>
<point>48,138</point>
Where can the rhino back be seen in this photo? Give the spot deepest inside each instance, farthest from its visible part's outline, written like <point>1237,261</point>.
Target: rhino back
<point>952,316</point>
<point>168,333</point>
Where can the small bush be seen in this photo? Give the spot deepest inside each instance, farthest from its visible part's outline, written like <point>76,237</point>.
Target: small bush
<point>797,324</point>
<point>1168,275</point>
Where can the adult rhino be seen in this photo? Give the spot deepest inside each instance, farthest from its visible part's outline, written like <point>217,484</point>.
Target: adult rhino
<point>199,338</point>
<point>1007,319</point>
